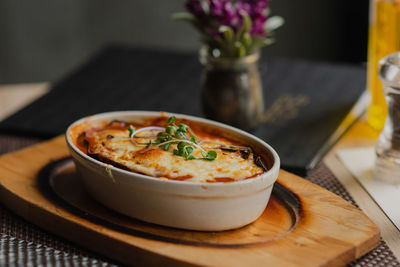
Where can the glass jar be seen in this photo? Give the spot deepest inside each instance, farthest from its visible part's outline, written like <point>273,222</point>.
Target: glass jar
<point>232,91</point>
<point>388,146</point>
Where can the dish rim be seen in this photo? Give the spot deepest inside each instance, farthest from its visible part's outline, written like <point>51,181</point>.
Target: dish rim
<point>275,167</point>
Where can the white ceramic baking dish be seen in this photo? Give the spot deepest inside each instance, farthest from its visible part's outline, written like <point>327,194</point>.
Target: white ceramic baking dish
<point>180,204</point>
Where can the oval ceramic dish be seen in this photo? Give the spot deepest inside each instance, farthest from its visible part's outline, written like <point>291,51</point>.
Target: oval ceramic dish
<point>180,204</point>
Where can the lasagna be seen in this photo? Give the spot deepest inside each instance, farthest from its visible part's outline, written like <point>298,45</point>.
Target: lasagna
<point>170,149</point>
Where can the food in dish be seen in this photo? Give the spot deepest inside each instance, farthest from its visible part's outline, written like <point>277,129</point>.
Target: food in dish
<point>175,201</point>
<point>170,149</point>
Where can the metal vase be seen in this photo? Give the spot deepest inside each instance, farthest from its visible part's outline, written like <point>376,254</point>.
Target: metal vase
<point>232,90</point>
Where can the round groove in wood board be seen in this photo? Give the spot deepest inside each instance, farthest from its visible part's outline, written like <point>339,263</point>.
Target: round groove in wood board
<point>60,183</point>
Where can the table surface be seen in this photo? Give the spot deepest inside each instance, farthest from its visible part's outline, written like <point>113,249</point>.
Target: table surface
<point>14,97</point>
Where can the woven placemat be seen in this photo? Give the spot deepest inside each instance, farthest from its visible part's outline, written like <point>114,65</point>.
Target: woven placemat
<point>22,243</point>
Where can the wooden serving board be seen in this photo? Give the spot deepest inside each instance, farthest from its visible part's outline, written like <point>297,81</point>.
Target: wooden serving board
<point>303,225</point>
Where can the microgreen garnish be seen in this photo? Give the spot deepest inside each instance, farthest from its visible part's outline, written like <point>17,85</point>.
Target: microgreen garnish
<point>171,120</point>
<point>182,136</point>
<point>152,142</point>
<point>131,130</point>
<point>183,127</point>
<point>210,155</point>
<point>170,129</point>
<point>193,138</point>
<point>166,146</point>
<point>190,157</point>
<point>179,134</point>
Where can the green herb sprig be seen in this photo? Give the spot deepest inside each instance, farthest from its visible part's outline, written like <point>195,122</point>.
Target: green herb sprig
<point>182,136</point>
<point>131,130</point>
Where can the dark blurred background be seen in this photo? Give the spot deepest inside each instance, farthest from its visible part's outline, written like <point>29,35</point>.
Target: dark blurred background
<point>42,40</point>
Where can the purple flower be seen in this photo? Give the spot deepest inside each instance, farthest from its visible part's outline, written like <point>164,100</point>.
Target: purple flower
<point>216,8</point>
<point>256,9</point>
<point>244,6</point>
<point>223,12</point>
<point>215,13</point>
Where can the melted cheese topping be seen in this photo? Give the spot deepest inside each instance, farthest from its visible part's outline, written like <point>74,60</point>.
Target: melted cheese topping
<point>113,145</point>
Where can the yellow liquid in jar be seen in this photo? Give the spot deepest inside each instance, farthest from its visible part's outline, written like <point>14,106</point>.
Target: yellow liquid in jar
<point>384,39</point>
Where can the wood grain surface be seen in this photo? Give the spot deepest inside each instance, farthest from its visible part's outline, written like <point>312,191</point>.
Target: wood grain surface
<point>62,185</point>
<point>328,232</point>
